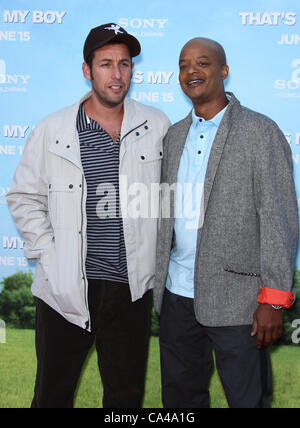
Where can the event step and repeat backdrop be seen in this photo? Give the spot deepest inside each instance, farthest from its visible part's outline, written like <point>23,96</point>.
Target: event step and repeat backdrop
<point>41,57</point>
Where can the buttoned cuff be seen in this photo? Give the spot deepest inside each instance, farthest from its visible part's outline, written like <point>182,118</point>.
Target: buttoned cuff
<point>272,296</point>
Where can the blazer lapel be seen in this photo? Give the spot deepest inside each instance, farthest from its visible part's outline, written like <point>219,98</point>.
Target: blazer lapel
<point>176,149</point>
<point>218,147</point>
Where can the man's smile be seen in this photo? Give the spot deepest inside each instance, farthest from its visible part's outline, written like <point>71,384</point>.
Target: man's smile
<point>116,87</point>
<point>195,82</point>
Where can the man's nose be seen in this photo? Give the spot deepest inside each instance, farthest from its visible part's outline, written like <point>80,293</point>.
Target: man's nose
<point>193,68</point>
<point>116,72</point>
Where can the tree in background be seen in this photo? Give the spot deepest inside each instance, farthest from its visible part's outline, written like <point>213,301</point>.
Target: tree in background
<point>17,304</point>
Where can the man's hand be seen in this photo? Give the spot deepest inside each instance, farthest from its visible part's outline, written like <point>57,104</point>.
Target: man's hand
<point>267,325</point>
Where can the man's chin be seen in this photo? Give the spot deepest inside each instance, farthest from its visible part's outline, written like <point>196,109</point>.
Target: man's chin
<point>111,101</point>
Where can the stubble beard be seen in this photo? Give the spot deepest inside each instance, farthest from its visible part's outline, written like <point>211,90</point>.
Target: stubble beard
<point>104,99</point>
<point>107,101</point>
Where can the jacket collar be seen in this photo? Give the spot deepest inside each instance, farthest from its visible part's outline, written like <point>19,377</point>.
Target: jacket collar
<point>134,117</point>
<point>66,141</point>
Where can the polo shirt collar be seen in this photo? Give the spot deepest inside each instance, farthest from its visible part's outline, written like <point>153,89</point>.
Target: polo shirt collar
<point>84,122</point>
<point>216,120</point>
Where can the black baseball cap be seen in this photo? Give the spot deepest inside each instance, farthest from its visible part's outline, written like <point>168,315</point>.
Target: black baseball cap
<point>104,34</point>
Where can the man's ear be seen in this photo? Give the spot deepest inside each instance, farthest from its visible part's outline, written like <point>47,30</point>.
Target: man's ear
<point>225,71</point>
<point>132,67</point>
<point>86,71</point>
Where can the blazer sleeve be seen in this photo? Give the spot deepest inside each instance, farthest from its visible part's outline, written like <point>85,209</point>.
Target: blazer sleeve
<point>28,197</point>
<point>277,208</point>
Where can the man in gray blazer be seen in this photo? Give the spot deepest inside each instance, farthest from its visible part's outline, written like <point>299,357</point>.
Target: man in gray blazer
<point>222,284</point>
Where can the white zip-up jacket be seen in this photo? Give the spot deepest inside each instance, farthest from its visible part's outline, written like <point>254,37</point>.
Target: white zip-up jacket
<point>48,195</point>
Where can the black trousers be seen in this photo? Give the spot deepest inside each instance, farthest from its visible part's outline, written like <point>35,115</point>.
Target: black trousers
<point>187,360</point>
<point>121,331</point>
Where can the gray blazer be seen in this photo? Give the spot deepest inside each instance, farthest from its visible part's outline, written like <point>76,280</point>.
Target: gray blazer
<point>250,232</point>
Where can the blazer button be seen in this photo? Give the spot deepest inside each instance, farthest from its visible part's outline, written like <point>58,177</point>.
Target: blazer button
<point>71,186</point>
<point>143,157</point>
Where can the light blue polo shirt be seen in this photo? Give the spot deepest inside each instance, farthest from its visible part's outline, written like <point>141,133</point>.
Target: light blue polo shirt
<point>189,200</point>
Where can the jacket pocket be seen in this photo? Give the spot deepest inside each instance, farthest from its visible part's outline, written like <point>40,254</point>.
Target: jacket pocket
<point>237,270</point>
<point>150,154</point>
<point>148,159</point>
<point>46,259</point>
<point>62,206</point>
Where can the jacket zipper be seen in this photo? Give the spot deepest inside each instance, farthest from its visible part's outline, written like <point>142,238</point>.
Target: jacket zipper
<point>87,324</point>
<point>126,135</point>
<point>134,129</point>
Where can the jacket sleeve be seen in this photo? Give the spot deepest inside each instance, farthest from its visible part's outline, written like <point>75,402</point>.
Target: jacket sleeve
<point>278,215</point>
<point>28,197</point>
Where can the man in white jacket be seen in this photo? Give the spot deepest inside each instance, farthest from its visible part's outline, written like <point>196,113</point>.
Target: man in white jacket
<point>73,202</point>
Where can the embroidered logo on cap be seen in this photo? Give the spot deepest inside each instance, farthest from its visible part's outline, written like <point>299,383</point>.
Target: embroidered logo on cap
<point>115,28</point>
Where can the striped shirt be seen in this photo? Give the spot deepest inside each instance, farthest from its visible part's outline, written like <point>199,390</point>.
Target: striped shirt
<point>106,254</point>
